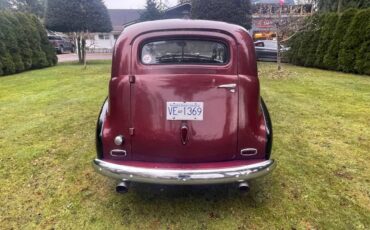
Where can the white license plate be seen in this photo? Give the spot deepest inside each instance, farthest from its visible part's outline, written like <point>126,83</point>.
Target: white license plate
<point>185,111</point>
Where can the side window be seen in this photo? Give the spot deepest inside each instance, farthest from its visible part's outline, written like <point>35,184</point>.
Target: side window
<point>271,44</point>
<point>259,44</point>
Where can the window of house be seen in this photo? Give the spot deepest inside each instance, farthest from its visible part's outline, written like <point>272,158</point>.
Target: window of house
<point>115,36</point>
<point>104,36</point>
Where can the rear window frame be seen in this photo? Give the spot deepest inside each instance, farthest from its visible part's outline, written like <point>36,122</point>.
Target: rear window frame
<point>210,39</point>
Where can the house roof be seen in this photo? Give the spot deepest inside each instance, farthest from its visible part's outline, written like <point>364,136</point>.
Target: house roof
<point>120,17</point>
<point>178,11</point>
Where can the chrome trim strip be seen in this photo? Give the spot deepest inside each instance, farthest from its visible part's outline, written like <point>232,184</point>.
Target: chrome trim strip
<point>184,176</point>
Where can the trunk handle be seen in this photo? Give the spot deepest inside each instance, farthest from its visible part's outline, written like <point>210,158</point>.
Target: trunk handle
<point>230,87</point>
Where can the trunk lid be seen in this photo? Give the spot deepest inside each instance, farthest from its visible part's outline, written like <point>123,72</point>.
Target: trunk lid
<point>157,138</point>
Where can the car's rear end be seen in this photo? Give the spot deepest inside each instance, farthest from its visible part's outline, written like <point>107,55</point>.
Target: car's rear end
<point>184,107</point>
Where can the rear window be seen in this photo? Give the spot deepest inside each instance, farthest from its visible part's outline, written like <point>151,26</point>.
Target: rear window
<point>182,51</point>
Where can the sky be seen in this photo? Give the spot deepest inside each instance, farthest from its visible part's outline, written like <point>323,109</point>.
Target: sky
<point>133,4</point>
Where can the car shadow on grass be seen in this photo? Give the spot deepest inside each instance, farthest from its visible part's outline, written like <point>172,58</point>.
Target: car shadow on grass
<point>260,192</point>
<point>196,205</point>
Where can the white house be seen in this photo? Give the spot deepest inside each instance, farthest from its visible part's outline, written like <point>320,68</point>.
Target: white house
<point>104,42</point>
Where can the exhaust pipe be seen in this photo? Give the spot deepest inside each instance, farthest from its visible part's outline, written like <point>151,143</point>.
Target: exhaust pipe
<point>244,186</point>
<point>122,187</point>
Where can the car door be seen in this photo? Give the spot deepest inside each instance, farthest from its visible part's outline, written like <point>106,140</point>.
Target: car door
<point>67,44</point>
<point>271,50</point>
<point>184,112</point>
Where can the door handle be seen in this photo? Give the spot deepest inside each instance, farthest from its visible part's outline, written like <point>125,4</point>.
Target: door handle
<point>230,87</point>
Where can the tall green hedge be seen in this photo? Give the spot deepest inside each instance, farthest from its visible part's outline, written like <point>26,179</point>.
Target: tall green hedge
<point>309,54</point>
<point>350,47</point>
<point>23,43</point>
<point>336,42</point>
<point>329,22</point>
<point>331,56</point>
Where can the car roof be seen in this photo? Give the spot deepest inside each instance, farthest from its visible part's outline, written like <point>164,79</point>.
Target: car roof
<point>266,41</point>
<point>135,30</point>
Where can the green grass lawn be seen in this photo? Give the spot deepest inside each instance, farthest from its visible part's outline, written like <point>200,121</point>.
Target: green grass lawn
<point>321,125</point>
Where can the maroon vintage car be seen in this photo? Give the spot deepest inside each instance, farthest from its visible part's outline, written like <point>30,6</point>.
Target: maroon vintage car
<point>184,107</point>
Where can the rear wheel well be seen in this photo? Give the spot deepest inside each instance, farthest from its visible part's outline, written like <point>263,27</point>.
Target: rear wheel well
<point>99,128</point>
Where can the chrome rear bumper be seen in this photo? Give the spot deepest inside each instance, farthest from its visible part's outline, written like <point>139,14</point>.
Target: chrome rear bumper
<point>184,176</point>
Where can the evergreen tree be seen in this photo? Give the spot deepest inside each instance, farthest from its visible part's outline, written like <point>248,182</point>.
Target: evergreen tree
<point>362,64</point>
<point>308,54</point>
<point>6,59</point>
<point>11,43</point>
<point>298,59</point>
<point>331,57</point>
<point>28,42</point>
<point>4,4</point>
<point>232,11</point>
<point>307,50</point>
<point>152,11</point>
<point>302,46</point>
<point>36,7</point>
<point>47,54</point>
<point>79,16</point>
<point>294,44</point>
<point>341,5</point>
<point>327,30</point>
<point>22,40</point>
<point>97,17</point>
<point>353,40</point>
<point>349,38</point>
<point>327,5</point>
<point>23,43</point>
